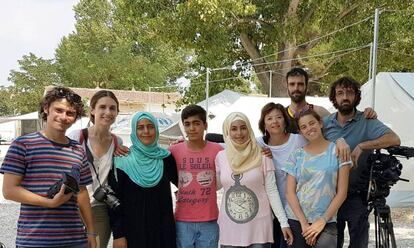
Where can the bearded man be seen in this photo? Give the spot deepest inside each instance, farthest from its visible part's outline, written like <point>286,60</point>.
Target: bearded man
<point>360,134</point>
<point>297,86</point>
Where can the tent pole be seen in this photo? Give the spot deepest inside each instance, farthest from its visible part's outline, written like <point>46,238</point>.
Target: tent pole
<point>270,83</point>
<point>207,90</point>
<point>149,99</point>
<point>370,62</point>
<point>374,55</point>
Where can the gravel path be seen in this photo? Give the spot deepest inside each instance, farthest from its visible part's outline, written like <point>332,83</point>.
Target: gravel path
<point>403,219</point>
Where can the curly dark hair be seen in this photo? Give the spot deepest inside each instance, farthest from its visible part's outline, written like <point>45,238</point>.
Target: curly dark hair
<point>98,95</point>
<point>60,92</point>
<point>346,82</point>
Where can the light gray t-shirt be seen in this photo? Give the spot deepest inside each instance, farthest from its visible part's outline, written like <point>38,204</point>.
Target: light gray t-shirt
<point>280,154</point>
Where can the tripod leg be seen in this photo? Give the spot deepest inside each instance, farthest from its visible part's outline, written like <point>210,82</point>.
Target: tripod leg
<point>386,231</point>
<point>391,232</point>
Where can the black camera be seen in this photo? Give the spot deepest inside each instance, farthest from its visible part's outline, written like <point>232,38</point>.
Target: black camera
<point>106,194</point>
<point>377,172</point>
<point>71,186</point>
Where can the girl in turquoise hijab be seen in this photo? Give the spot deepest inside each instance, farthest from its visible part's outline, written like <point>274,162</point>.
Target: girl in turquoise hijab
<point>145,217</point>
<point>144,163</point>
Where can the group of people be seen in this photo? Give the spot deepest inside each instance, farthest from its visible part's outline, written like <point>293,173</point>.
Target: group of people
<point>287,188</point>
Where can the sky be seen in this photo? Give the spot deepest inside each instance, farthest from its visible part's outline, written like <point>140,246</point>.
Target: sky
<point>35,26</point>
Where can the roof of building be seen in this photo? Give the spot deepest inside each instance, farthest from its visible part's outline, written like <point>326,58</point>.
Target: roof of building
<point>130,96</point>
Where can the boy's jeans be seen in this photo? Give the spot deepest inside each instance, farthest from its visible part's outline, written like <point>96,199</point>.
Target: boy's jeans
<point>197,234</point>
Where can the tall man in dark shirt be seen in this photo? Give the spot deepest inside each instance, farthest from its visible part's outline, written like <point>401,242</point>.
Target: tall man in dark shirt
<point>297,86</point>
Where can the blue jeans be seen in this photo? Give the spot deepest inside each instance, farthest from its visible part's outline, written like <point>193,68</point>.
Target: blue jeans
<point>197,234</point>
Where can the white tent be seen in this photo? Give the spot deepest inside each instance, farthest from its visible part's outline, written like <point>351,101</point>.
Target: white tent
<point>216,104</point>
<point>227,101</point>
<point>394,104</point>
<point>251,106</point>
<point>13,126</point>
<point>122,126</point>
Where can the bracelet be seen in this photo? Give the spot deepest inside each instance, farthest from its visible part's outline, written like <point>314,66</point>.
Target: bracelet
<point>92,234</point>
<point>324,218</point>
<point>346,163</point>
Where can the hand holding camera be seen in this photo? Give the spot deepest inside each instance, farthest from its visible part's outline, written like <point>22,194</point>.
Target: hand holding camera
<point>62,190</point>
<point>60,198</point>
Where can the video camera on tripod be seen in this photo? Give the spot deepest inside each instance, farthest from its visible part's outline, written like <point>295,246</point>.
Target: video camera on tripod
<point>377,172</point>
<point>380,171</point>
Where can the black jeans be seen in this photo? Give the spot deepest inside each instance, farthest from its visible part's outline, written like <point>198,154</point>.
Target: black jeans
<point>354,212</point>
<point>279,241</point>
<point>326,239</point>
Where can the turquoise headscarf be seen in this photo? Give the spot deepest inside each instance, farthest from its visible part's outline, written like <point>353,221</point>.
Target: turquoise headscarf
<point>144,164</point>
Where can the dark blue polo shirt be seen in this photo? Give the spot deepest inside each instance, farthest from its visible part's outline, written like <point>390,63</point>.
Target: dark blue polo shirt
<point>356,130</point>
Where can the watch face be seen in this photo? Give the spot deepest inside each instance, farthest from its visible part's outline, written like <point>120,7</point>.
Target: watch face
<point>241,203</point>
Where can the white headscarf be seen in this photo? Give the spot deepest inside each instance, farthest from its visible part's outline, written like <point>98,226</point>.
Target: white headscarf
<point>242,157</point>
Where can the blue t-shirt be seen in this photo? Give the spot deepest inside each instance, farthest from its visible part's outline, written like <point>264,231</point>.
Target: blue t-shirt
<point>41,162</point>
<point>355,130</point>
<point>316,180</point>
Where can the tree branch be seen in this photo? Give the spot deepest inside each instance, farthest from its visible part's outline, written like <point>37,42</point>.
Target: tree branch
<point>347,11</point>
<point>326,69</point>
<point>293,8</point>
<point>268,23</point>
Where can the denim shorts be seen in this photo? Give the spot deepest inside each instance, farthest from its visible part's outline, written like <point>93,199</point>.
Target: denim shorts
<point>197,234</point>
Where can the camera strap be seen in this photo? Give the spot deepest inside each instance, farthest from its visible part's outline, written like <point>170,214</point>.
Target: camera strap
<point>83,138</point>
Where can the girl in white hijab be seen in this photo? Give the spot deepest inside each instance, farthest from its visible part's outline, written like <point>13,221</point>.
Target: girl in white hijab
<point>250,191</point>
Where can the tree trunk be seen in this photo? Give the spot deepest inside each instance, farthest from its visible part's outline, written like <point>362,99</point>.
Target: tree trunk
<point>279,69</point>
<point>279,87</point>
<point>259,64</point>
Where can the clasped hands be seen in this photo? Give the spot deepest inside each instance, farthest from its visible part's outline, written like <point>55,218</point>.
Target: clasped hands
<point>311,232</point>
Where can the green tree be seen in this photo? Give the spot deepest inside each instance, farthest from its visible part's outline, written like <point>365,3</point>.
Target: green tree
<point>29,82</point>
<point>5,103</point>
<point>275,35</point>
<point>110,49</point>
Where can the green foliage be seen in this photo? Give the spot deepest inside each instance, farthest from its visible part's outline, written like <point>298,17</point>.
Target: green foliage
<point>29,82</point>
<point>115,47</point>
<point>123,44</point>
<point>213,29</point>
<point>5,103</point>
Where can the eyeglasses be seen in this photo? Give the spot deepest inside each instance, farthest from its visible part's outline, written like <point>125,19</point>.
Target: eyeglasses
<point>342,92</point>
<point>63,93</point>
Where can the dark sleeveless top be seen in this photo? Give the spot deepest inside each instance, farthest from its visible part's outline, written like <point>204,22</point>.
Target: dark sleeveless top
<point>293,125</point>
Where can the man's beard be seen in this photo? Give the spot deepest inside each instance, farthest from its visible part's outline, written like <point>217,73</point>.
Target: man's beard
<point>297,98</point>
<point>346,109</point>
